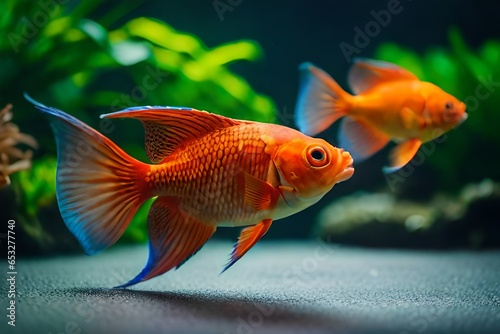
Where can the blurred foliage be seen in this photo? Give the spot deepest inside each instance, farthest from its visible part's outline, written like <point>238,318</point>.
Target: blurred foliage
<point>63,58</point>
<point>473,76</point>
<point>466,219</point>
<point>36,189</point>
<point>53,51</point>
<point>195,75</point>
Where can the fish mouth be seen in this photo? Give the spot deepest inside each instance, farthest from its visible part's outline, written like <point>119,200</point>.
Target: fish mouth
<point>463,118</point>
<point>460,120</point>
<point>348,171</point>
<point>345,174</point>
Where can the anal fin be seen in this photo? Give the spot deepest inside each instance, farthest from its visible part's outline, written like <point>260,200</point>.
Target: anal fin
<point>173,238</point>
<point>248,237</point>
<point>402,154</point>
<point>360,139</point>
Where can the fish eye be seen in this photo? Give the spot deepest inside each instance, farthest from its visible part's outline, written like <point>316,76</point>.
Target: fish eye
<point>448,105</point>
<point>317,156</point>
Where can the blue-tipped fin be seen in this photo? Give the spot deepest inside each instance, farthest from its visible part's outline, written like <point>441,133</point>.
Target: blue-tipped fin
<point>96,189</point>
<point>247,239</point>
<point>173,238</point>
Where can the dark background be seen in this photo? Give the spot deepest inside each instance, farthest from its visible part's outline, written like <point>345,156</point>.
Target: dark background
<point>292,32</point>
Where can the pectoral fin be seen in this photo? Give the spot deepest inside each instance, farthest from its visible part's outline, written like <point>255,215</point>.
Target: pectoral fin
<point>407,118</point>
<point>260,194</point>
<point>173,237</point>
<point>402,154</point>
<point>248,237</point>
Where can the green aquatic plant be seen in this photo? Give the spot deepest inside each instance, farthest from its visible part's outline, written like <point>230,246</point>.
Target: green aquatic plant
<point>473,76</point>
<point>183,71</point>
<point>51,51</point>
<point>35,191</point>
<point>41,181</point>
<point>65,54</point>
<point>59,55</point>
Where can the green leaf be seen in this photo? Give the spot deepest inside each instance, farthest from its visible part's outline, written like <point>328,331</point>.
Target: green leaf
<point>129,52</point>
<point>227,53</point>
<point>95,31</point>
<point>475,65</point>
<point>490,54</point>
<point>442,70</point>
<point>405,58</point>
<point>163,35</point>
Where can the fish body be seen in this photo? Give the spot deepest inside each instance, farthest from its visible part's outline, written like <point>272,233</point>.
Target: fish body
<point>205,175</point>
<point>390,103</point>
<point>207,171</point>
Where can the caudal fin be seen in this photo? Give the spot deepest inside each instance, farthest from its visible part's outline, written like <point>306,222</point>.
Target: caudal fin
<point>99,186</point>
<point>321,101</point>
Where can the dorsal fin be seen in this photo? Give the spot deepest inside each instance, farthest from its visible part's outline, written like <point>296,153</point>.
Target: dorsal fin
<point>167,127</point>
<point>367,73</point>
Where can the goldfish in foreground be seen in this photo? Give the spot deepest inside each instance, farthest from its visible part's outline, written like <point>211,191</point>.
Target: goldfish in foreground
<point>390,104</point>
<point>207,171</point>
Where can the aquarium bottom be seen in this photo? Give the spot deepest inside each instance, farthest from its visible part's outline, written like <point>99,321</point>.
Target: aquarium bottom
<point>278,287</point>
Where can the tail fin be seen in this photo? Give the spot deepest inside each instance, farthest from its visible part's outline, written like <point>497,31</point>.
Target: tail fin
<point>99,186</point>
<point>321,100</point>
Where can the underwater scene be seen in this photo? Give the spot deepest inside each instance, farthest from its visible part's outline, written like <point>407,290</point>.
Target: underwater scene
<point>292,167</point>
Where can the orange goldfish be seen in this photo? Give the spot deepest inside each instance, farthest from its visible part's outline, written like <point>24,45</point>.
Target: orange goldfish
<point>207,171</point>
<point>390,104</point>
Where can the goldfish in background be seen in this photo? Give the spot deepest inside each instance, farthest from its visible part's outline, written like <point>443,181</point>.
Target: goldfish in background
<point>390,104</point>
<point>207,171</point>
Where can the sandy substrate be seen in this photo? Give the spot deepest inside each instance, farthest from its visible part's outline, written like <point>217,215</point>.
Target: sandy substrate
<point>276,288</point>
